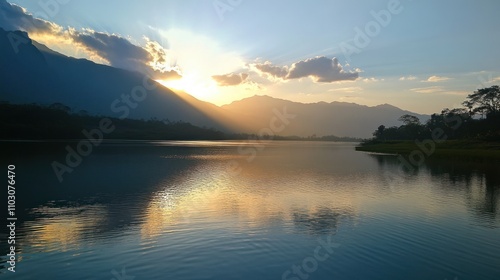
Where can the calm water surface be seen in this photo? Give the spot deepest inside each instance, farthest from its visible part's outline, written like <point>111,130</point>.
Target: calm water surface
<point>230,210</point>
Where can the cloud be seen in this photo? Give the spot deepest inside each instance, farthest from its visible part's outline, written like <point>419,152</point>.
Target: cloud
<point>434,89</point>
<point>113,48</point>
<point>438,90</point>
<point>408,78</point>
<point>121,53</point>
<point>271,70</point>
<point>231,79</point>
<point>13,17</point>
<point>435,79</point>
<point>159,61</point>
<point>99,46</point>
<point>372,80</point>
<point>347,89</point>
<point>321,69</point>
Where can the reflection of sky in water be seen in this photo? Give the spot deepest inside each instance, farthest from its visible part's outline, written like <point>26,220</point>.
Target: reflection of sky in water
<point>165,200</point>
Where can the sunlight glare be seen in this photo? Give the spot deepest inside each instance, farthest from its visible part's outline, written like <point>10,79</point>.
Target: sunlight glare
<point>199,87</point>
<point>199,58</point>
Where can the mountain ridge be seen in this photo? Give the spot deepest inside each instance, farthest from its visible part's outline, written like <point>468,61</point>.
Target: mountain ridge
<point>44,76</point>
<point>320,119</point>
<point>314,103</point>
<point>38,74</point>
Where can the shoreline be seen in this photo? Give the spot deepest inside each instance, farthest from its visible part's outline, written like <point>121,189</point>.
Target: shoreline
<point>451,148</point>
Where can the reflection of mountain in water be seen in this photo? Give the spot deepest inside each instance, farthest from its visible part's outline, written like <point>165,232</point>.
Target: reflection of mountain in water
<point>478,181</point>
<point>102,197</point>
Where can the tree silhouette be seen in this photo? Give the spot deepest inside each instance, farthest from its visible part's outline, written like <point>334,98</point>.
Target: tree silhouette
<point>379,133</point>
<point>457,123</point>
<point>485,102</point>
<point>409,120</point>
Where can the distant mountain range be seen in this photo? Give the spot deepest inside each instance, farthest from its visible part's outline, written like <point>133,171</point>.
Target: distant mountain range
<point>335,118</point>
<point>33,73</point>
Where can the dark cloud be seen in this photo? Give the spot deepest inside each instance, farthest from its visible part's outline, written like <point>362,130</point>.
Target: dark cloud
<point>321,69</point>
<point>121,53</point>
<point>273,71</point>
<point>13,17</point>
<point>117,51</point>
<point>230,79</point>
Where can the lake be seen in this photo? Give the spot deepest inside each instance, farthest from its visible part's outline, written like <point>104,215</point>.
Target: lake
<point>243,210</point>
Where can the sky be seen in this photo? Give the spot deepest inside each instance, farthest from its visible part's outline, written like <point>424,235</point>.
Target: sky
<point>421,56</point>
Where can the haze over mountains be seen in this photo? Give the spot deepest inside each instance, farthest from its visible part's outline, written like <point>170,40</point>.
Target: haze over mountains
<point>32,73</point>
<point>335,118</point>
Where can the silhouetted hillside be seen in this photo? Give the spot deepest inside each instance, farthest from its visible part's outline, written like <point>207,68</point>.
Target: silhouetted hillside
<point>57,122</point>
<point>337,118</point>
<point>34,122</point>
<point>40,75</point>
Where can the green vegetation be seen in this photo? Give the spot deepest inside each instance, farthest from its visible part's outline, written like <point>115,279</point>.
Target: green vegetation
<point>472,131</point>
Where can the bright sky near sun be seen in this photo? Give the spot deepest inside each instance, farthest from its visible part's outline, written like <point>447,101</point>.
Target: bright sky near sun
<point>418,55</point>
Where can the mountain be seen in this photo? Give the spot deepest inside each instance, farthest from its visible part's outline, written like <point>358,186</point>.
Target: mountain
<point>336,118</point>
<point>33,73</point>
<point>37,74</point>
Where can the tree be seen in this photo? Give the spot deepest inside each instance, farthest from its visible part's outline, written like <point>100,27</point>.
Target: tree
<point>462,112</point>
<point>484,101</point>
<point>409,120</point>
<point>379,132</point>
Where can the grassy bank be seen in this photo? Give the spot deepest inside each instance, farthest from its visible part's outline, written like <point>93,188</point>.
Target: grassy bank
<point>451,148</point>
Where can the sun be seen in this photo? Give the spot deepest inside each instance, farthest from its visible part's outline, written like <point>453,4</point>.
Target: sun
<point>198,58</point>
<point>199,87</point>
